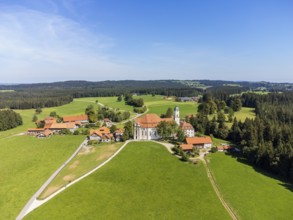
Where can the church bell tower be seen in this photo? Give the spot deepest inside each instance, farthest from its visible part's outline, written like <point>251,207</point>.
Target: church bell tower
<point>176,115</point>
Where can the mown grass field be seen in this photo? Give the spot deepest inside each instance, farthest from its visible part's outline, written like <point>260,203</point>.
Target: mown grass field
<point>25,164</point>
<point>109,101</point>
<point>6,91</point>
<point>245,113</point>
<point>240,115</point>
<point>144,181</point>
<point>156,104</point>
<point>251,194</point>
<point>87,159</point>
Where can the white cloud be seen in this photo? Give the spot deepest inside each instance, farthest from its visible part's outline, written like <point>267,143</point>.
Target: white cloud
<point>48,47</point>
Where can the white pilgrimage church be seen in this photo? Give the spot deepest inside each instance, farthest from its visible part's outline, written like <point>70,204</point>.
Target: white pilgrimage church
<point>145,127</point>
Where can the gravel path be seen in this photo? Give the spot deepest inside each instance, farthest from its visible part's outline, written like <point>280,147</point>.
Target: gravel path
<point>35,203</point>
<point>217,191</point>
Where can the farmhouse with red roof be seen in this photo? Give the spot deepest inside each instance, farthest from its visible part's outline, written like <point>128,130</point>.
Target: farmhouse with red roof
<point>201,142</point>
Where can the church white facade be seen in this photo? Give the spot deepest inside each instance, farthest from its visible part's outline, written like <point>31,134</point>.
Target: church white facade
<point>145,127</point>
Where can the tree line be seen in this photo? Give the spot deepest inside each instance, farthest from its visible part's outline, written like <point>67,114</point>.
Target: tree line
<point>265,141</point>
<point>9,119</point>
<point>28,99</point>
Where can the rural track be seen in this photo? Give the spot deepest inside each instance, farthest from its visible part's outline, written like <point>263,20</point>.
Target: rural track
<point>31,203</point>
<point>211,179</point>
<point>34,203</point>
<point>217,191</point>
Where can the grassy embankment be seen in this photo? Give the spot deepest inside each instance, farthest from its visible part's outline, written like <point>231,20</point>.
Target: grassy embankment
<point>252,194</point>
<point>87,159</point>
<point>25,164</point>
<point>144,181</point>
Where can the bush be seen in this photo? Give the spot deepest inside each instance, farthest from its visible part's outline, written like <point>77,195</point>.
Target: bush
<point>176,150</point>
<point>184,157</point>
<point>76,132</point>
<point>66,132</point>
<point>92,142</point>
<point>214,149</point>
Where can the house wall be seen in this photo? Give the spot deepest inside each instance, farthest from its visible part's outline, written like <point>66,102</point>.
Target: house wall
<point>207,145</point>
<point>189,133</point>
<point>95,137</point>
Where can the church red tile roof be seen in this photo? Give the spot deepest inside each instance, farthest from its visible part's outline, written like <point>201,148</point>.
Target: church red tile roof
<point>150,120</point>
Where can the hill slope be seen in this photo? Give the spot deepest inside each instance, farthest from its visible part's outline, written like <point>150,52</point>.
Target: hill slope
<point>143,182</point>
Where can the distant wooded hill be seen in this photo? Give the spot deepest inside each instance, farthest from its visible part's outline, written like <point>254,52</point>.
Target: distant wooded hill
<point>58,93</point>
<point>150,84</point>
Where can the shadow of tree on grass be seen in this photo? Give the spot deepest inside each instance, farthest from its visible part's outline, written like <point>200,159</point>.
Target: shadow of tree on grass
<point>241,159</point>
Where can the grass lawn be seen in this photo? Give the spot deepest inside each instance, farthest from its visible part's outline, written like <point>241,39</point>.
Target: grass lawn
<point>25,164</point>
<point>109,101</point>
<point>250,193</point>
<point>245,113</point>
<point>144,181</point>
<point>185,108</point>
<point>86,160</point>
<point>219,142</point>
<point>240,115</point>
<point>3,90</point>
<point>156,104</point>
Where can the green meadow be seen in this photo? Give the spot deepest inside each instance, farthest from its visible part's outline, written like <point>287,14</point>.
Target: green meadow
<point>108,101</point>
<point>245,113</point>
<point>252,194</point>
<point>25,164</point>
<point>241,115</point>
<point>144,181</point>
<point>87,159</point>
<point>156,104</point>
<point>6,91</point>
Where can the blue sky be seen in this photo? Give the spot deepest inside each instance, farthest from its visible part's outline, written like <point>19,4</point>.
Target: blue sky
<point>56,40</point>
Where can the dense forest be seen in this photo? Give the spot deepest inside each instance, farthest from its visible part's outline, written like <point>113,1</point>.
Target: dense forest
<point>28,99</point>
<point>266,141</point>
<point>9,119</point>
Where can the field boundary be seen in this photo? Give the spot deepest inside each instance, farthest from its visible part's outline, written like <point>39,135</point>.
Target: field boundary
<point>35,203</point>
<point>217,191</point>
<point>31,202</point>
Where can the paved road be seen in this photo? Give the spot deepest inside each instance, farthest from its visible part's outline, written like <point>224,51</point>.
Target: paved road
<point>28,207</point>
